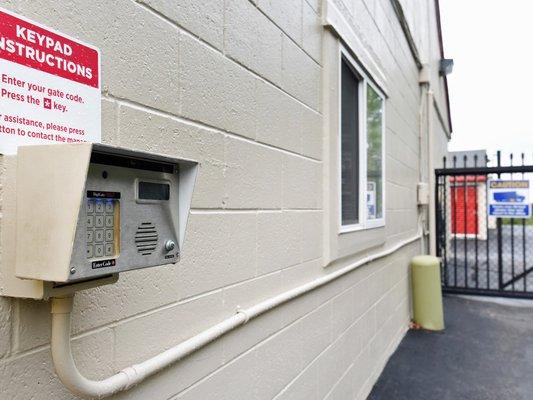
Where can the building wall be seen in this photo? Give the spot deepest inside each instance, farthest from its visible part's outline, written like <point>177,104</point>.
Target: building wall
<point>239,86</point>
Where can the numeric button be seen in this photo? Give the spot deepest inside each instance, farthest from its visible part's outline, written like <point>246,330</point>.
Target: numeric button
<point>99,250</point>
<point>109,221</point>
<point>99,221</point>
<point>99,235</point>
<point>109,249</point>
<point>109,207</point>
<point>99,207</point>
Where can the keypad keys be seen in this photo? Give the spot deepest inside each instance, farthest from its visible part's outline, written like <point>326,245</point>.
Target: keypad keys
<point>99,221</point>
<point>98,250</point>
<point>99,235</point>
<point>99,207</point>
<point>109,221</point>
<point>109,249</point>
<point>109,207</point>
<point>100,227</point>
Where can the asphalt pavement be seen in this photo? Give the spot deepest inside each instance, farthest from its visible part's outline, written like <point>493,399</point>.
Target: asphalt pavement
<point>485,353</point>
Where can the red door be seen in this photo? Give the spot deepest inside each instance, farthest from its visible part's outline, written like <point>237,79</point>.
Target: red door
<point>461,206</point>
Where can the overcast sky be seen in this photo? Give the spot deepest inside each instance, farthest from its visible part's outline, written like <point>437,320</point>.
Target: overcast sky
<point>491,86</point>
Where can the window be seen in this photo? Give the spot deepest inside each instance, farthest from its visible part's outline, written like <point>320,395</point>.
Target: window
<point>362,149</point>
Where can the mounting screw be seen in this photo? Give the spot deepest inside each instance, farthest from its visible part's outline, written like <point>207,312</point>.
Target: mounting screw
<point>169,245</point>
<point>73,270</point>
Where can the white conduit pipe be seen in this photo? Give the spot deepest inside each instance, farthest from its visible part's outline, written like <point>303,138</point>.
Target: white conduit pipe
<point>70,376</point>
<point>431,177</point>
<point>423,101</point>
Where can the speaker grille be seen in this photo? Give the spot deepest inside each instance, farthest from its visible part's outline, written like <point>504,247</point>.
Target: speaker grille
<point>146,238</point>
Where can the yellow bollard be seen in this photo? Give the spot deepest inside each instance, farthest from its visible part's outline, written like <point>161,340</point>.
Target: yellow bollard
<point>427,293</point>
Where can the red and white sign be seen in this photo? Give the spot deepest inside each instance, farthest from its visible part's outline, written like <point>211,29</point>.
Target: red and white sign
<point>49,86</point>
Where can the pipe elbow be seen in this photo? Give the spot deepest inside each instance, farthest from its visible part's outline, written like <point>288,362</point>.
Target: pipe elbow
<point>65,366</point>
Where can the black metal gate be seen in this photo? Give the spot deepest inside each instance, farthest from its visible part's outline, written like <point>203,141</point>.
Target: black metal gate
<point>481,254</point>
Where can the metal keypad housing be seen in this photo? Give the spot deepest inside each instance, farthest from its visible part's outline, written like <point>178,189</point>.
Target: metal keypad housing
<point>110,234</point>
<point>90,211</point>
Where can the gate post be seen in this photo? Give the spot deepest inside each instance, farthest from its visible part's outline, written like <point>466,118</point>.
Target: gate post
<point>500,260</point>
<point>499,234</point>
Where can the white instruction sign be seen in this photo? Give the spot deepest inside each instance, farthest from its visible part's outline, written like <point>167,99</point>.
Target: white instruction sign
<point>509,198</point>
<point>49,86</point>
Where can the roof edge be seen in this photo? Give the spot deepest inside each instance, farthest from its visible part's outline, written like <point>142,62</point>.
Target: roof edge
<point>441,49</point>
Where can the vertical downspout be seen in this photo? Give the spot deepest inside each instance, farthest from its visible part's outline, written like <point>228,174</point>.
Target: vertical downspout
<point>426,129</point>
<point>421,128</point>
<point>431,176</point>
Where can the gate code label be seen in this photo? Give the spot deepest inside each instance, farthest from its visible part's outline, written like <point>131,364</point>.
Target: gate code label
<point>49,86</point>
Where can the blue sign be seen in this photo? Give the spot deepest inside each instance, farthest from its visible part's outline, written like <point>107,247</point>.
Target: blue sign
<point>509,199</point>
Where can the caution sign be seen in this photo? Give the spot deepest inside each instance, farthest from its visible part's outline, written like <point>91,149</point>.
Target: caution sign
<point>509,198</point>
<point>49,86</point>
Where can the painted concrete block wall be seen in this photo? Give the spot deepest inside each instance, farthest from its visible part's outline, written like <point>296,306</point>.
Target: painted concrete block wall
<point>236,85</point>
<point>425,34</point>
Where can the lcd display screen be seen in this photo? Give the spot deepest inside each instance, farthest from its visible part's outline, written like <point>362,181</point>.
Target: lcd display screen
<point>153,191</point>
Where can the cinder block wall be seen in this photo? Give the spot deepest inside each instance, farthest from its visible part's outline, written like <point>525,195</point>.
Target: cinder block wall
<point>236,85</point>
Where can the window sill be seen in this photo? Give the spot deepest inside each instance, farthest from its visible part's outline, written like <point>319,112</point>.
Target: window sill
<point>360,227</point>
<point>348,244</point>
<point>350,228</point>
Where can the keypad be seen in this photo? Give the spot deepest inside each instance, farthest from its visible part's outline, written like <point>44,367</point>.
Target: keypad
<point>101,227</point>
